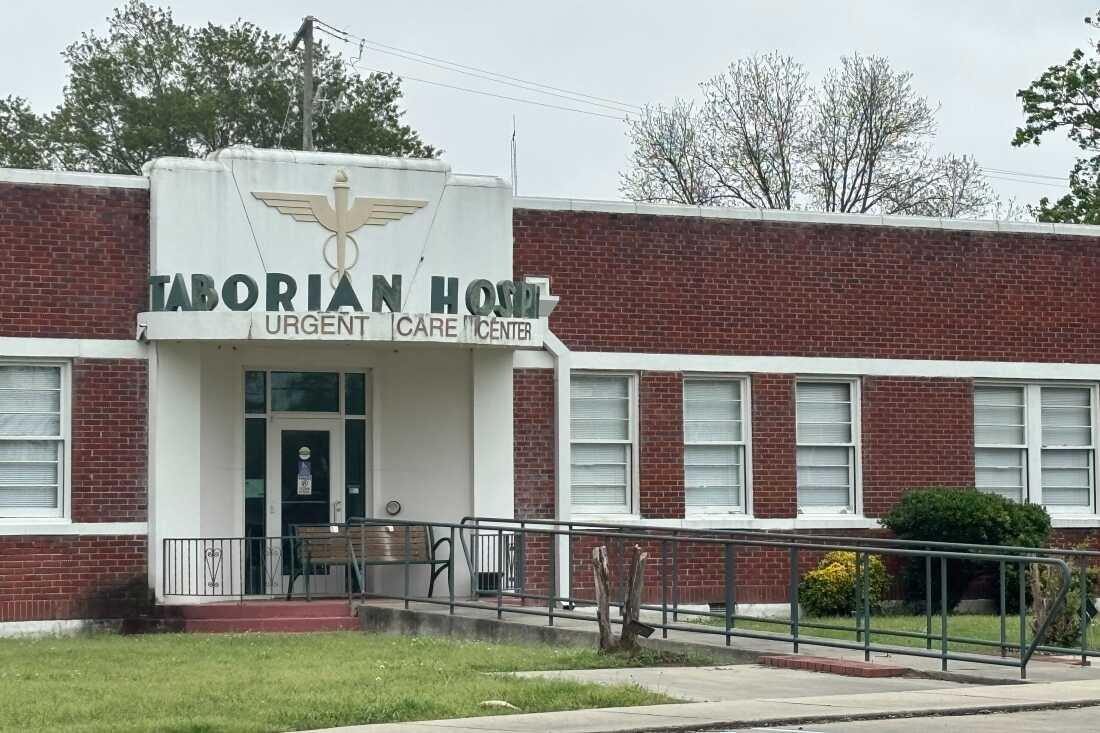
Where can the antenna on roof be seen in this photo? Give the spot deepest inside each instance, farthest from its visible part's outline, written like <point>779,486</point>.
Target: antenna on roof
<point>515,163</point>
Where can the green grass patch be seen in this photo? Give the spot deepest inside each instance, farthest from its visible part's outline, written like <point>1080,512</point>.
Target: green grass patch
<point>985,627</point>
<point>247,683</point>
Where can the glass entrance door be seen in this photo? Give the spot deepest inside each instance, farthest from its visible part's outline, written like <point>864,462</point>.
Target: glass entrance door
<point>305,462</point>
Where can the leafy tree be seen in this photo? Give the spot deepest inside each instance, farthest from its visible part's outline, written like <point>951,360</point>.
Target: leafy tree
<point>766,137</point>
<point>152,87</point>
<point>1068,96</point>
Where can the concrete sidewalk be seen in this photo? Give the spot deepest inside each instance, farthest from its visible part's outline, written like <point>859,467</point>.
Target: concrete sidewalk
<point>763,711</point>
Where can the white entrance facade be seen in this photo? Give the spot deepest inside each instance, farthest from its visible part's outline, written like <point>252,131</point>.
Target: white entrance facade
<point>409,409</point>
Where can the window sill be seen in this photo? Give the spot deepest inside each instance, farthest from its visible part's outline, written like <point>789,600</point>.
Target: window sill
<point>30,526</point>
<point>1075,521</point>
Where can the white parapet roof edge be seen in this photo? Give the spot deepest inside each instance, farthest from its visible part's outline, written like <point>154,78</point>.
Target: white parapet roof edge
<point>803,217</point>
<point>72,178</point>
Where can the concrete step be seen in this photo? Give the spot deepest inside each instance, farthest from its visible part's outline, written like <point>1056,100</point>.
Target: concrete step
<point>284,624</point>
<point>262,609</point>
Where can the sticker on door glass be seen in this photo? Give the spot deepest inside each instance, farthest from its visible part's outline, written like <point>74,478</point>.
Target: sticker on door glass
<point>305,472</point>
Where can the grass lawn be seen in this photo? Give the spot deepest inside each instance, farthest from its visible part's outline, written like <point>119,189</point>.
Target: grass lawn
<point>973,626</point>
<point>198,683</point>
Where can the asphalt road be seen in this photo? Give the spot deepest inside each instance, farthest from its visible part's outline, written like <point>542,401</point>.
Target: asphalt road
<point>1076,720</point>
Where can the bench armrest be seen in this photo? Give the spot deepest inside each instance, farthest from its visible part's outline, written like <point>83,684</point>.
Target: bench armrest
<point>439,542</point>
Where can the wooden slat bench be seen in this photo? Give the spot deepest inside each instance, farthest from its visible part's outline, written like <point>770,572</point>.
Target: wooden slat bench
<point>361,545</point>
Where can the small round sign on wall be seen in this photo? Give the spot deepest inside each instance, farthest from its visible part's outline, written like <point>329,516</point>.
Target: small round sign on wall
<point>304,453</point>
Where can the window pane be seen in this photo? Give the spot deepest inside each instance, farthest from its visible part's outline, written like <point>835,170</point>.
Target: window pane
<point>355,466</point>
<point>305,391</point>
<point>1000,471</point>
<point>255,392</point>
<point>1067,477</point>
<point>1067,416</point>
<point>600,408</point>
<point>29,474</point>
<point>355,394</point>
<point>600,474</point>
<point>21,424</point>
<point>712,475</point>
<point>824,477</point>
<point>30,377</point>
<point>712,411</point>
<point>824,412</point>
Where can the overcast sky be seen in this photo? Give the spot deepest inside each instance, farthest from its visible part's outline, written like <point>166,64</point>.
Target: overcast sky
<point>970,56</point>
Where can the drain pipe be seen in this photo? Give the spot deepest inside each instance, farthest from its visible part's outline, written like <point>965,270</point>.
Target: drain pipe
<point>563,493</point>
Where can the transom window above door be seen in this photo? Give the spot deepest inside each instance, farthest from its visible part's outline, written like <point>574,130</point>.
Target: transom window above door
<point>305,392</point>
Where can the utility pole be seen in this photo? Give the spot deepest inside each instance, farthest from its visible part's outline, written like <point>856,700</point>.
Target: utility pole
<point>305,34</point>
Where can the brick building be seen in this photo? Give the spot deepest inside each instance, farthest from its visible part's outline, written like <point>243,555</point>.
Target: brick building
<point>666,365</point>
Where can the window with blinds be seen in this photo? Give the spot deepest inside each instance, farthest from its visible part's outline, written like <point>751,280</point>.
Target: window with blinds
<point>32,425</point>
<point>1036,443</point>
<point>601,436</point>
<point>825,454</point>
<point>1000,441</point>
<point>714,445</point>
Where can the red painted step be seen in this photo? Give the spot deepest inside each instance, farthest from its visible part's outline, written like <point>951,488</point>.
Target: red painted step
<point>847,667</point>
<point>262,609</point>
<point>241,625</point>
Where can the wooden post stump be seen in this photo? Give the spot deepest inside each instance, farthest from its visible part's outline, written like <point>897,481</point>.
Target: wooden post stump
<point>628,639</point>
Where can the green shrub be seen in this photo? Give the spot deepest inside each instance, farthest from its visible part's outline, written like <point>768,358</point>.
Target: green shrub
<point>962,515</point>
<point>831,589</point>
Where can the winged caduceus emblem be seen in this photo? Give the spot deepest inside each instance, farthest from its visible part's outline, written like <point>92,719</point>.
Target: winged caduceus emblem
<point>340,218</point>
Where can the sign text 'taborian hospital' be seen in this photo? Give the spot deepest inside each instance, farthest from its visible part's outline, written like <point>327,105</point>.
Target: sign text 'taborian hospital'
<point>504,299</point>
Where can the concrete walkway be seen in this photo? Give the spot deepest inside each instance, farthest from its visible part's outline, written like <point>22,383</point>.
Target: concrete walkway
<point>741,682</point>
<point>425,618</point>
<point>770,711</point>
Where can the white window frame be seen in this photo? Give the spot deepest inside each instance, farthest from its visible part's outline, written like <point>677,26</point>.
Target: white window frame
<point>630,509</point>
<point>745,444</point>
<point>1033,448</point>
<point>64,473</point>
<point>855,496</point>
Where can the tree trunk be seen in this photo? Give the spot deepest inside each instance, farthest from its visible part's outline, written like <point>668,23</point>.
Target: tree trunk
<point>602,576</point>
<point>628,642</point>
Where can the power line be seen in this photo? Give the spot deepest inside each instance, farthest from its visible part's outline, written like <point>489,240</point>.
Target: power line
<point>405,77</point>
<point>487,74</point>
<point>1002,171</point>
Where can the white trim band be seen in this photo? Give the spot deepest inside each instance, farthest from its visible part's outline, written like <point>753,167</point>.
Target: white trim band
<point>803,217</point>
<point>831,366</point>
<point>738,521</point>
<point>71,178</point>
<point>54,527</point>
<point>47,348</point>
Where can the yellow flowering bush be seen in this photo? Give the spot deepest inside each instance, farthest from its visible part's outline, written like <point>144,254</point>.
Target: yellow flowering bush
<point>831,589</point>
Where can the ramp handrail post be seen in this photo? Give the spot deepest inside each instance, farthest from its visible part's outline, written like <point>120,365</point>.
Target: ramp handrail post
<point>552,580</point>
<point>451,574</point>
<point>664,590</point>
<point>1004,602</point>
<point>728,587</point>
<point>866,607</point>
<point>408,547</point>
<point>792,562</point>
<point>1021,572</point>
<point>943,613</point>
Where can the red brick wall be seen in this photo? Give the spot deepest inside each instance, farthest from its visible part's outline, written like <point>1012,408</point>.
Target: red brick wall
<point>71,577</point>
<point>533,446</point>
<point>689,285</point>
<point>109,447</point>
<point>661,444</point>
<point>916,433</point>
<point>73,260</point>
<point>773,446</point>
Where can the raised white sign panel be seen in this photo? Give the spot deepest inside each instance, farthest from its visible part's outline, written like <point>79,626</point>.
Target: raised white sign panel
<point>292,233</point>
